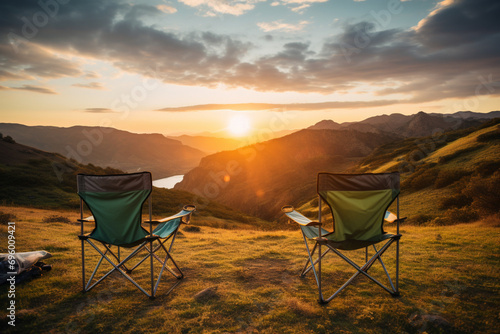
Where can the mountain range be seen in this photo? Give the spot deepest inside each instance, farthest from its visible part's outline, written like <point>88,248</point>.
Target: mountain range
<point>109,147</point>
<point>35,178</point>
<point>416,125</point>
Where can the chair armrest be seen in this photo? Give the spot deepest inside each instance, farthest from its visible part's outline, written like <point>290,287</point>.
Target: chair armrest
<point>392,218</point>
<point>87,220</point>
<point>298,217</point>
<point>184,214</point>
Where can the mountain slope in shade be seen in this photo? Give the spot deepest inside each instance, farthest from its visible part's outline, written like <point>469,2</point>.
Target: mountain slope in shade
<point>109,147</point>
<point>259,179</point>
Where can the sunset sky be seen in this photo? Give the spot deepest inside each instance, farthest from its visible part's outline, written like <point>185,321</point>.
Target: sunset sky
<point>193,66</point>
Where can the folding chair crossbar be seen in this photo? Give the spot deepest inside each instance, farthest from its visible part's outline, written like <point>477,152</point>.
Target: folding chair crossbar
<point>307,267</point>
<point>364,270</point>
<point>161,245</point>
<point>115,267</point>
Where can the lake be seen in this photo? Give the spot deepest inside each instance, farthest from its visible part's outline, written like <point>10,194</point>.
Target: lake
<point>168,182</point>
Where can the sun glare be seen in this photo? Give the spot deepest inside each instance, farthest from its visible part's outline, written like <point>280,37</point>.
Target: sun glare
<point>239,125</point>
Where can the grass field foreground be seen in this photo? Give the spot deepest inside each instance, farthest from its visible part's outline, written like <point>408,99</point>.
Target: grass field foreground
<point>449,282</point>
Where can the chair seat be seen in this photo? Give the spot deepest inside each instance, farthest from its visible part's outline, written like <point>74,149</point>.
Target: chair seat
<point>352,244</point>
<point>138,242</point>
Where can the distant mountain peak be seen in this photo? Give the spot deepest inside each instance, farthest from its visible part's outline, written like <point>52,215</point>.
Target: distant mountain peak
<point>326,124</point>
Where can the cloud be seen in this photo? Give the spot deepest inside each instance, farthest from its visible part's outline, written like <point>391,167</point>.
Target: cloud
<point>280,26</point>
<point>91,75</point>
<point>282,107</point>
<point>455,23</point>
<point>99,110</point>
<point>35,89</point>
<point>214,7</point>
<point>167,9</point>
<point>90,85</point>
<point>447,55</point>
<point>297,6</point>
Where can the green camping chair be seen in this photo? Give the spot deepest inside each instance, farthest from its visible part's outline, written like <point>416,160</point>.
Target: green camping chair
<point>116,202</point>
<point>359,204</point>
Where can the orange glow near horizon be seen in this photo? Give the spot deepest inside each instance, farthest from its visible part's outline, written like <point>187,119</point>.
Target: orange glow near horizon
<point>239,125</point>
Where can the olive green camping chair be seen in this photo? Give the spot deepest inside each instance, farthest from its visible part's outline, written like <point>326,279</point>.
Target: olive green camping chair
<point>116,203</point>
<point>359,204</point>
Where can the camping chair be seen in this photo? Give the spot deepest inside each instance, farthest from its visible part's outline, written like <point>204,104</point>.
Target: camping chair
<point>116,202</point>
<point>359,204</point>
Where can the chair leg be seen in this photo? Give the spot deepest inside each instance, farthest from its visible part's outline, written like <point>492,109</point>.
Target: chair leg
<point>115,266</point>
<point>83,266</point>
<point>152,272</point>
<point>360,270</point>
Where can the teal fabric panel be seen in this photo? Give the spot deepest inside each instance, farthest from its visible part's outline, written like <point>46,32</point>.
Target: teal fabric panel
<point>298,217</point>
<point>167,228</point>
<point>312,231</point>
<point>358,215</point>
<point>163,230</point>
<point>118,216</point>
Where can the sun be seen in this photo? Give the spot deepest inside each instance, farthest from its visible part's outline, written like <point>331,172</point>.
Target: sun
<point>239,125</point>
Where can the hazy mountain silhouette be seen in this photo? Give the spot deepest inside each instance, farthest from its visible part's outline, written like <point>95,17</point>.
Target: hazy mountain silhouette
<point>100,146</point>
<point>417,125</point>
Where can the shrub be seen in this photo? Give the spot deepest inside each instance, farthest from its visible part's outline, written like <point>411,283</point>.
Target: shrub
<point>191,228</point>
<point>462,215</point>
<point>440,221</point>
<point>485,193</point>
<point>486,168</point>
<point>9,139</point>
<point>423,177</point>
<point>6,218</point>
<point>489,136</point>
<point>456,154</point>
<point>450,176</point>
<point>56,219</point>
<point>421,219</point>
<point>457,201</point>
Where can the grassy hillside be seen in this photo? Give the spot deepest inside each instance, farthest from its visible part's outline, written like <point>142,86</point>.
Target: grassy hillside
<point>449,284</point>
<point>446,179</point>
<point>30,177</point>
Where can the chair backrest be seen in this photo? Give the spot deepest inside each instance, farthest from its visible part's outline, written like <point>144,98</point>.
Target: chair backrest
<point>358,202</point>
<point>116,203</point>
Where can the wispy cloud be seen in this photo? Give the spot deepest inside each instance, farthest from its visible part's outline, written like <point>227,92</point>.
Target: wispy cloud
<point>281,26</point>
<point>167,9</point>
<point>297,6</point>
<point>99,110</point>
<point>35,89</point>
<point>214,7</point>
<point>91,75</point>
<point>90,85</point>
<point>282,107</point>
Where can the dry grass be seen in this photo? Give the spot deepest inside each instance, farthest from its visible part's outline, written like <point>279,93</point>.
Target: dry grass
<point>451,272</point>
